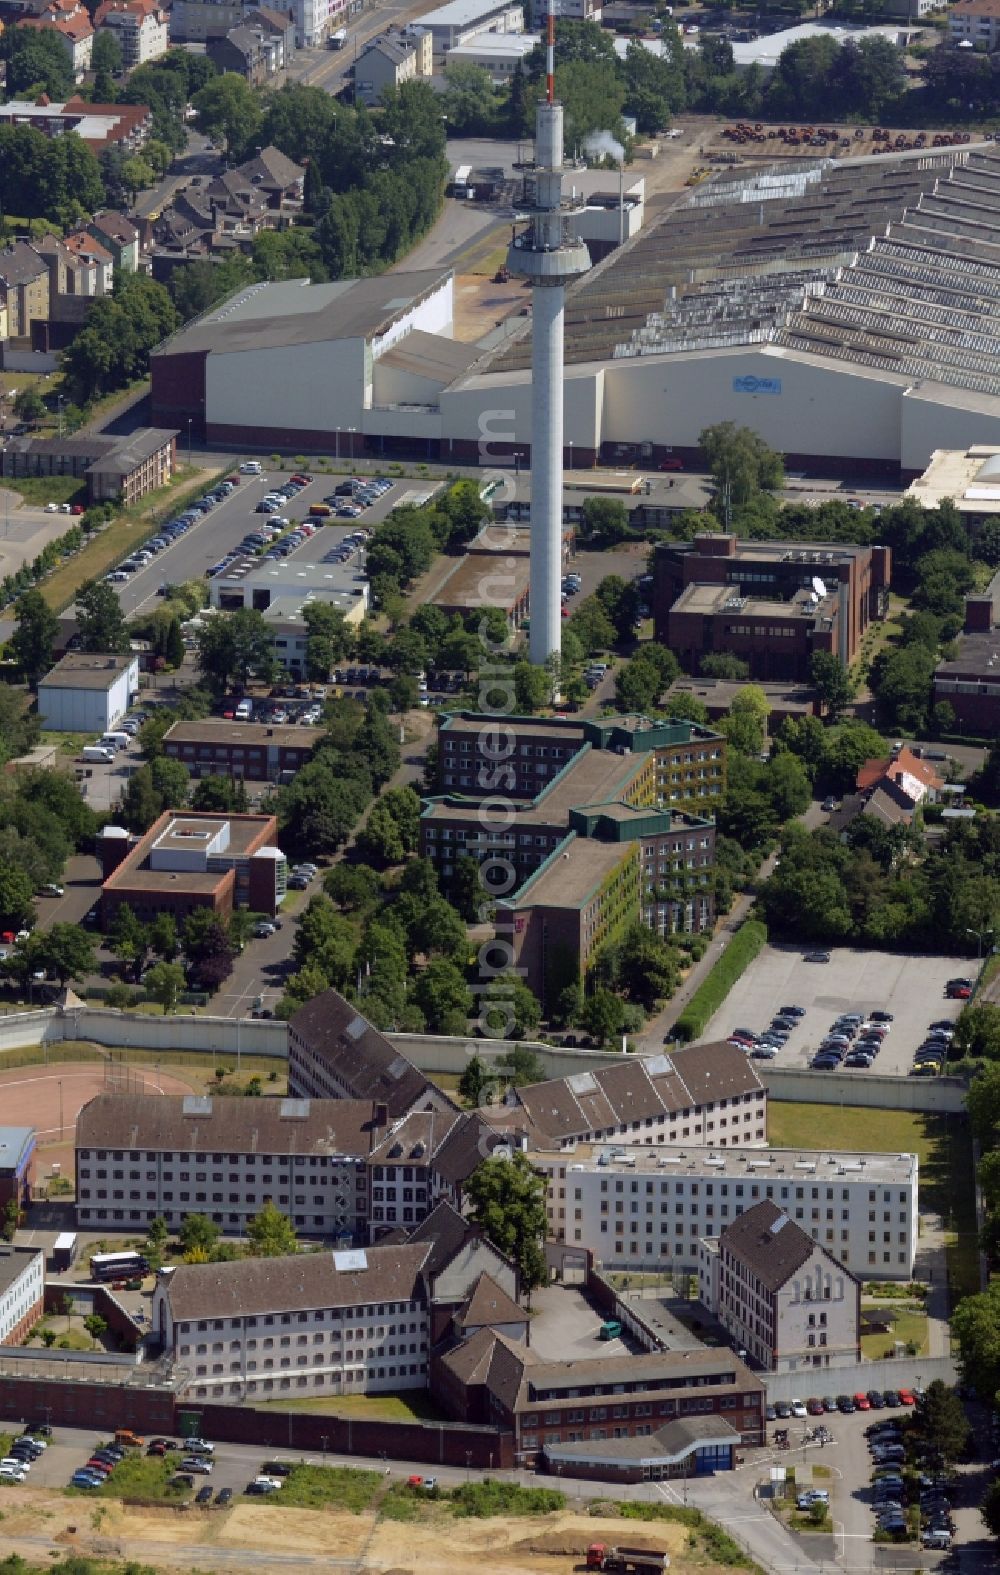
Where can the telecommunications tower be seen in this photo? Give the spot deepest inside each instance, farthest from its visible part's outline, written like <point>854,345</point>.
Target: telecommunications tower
<point>550,255</point>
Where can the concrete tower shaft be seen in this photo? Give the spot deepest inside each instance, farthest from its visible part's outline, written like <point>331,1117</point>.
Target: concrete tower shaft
<point>549,254</point>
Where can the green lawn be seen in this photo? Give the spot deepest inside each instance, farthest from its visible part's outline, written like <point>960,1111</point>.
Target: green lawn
<point>910,1324</point>
<point>328,1487</point>
<point>942,1146</point>
<point>39,490</point>
<point>412,1405</point>
<point>140,1476</point>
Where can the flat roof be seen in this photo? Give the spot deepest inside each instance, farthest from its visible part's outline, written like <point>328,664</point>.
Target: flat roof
<point>723,691</point>
<point>959,476</point>
<point>485,579</point>
<point>978,656</point>
<point>457,12</point>
<point>713,600</point>
<point>516,45</point>
<point>571,874</point>
<point>246,834</point>
<point>590,777</point>
<point>294,312</point>
<point>235,734</point>
<point>728,1164</point>
<point>13,1142</point>
<point>86,670</point>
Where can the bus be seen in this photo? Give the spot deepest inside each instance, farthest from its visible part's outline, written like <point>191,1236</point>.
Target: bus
<point>118,1266</point>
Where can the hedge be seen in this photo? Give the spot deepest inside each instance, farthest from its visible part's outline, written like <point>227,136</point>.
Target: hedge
<point>748,941</point>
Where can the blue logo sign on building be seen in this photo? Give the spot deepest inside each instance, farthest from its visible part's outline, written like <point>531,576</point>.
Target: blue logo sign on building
<point>756,385</point>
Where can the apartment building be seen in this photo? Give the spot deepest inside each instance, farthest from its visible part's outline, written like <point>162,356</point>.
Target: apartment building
<point>521,755</point>
<point>335,1053</point>
<point>976,22</point>
<point>24,288</point>
<point>773,604</point>
<point>22,1291</point>
<point>100,126</point>
<point>118,235</point>
<point>352,1322</point>
<point>558,1411</point>
<point>18,1154</point>
<point>239,750</point>
<point>386,63</point>
<point>189,861</point>
<point>139,1157</point>
<point>141,27</point>
<point>634,1208</point>
<point>786,1300</point>
<point>70,22</point>
<point>705,1094</point>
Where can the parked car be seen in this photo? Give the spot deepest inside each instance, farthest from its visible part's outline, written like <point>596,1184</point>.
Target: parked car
<point>198,1464</point>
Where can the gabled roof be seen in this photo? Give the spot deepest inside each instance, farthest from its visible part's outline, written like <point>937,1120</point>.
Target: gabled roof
<point>494,1360</point>
<point>20,263</point>
<point>488,1304</point>
<point>84,245</point>
<point>447,1233</point>
<point>903,763</point>
<point>393,47</point>
<point>274,20</point>
<point>116,226</point>
<point>769,1244</point>
<point>638,1087</point>
<point>412,1141</point>
<point>360,1057</point>
<point>176,1122</point>
<point>271,168</point>
<point>468,1143</point>
<point>296,1283</point>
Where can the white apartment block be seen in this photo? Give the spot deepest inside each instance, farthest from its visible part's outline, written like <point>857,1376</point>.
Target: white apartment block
<point>141,28</point>
<point>785,1300</point>
<point>22,1292</point>
<point>639,1210</point>
<point>976,22</point>
<point>706,1094</point>
<point>313,1324</point>
<point>138,1157</point>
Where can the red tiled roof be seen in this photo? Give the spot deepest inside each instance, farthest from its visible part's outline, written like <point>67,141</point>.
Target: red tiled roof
<point>906,763</point>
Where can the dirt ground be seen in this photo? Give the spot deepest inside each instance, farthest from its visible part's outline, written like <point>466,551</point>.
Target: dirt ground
<point>175,1539</point>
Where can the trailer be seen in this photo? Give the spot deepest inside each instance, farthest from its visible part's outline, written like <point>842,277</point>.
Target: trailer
<point>626,1561</point>
<point>460,186</point>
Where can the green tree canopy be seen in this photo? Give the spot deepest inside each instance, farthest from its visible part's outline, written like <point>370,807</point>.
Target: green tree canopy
<point>33,641</point>
<point>507,1202</point>
<point>271,1234</point>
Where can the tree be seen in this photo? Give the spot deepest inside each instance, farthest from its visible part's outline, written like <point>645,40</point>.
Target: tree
<point>602,1015</point>
<point>833,681</point>
<point>444,997</point>
<point>977,1033</point>
<point>157,1235</point>
<point>106,53</point>
<point>33,641</point>
<point>470,101</point>
<point>37,58</point>
<point>198,1233</point>
<point>234,648</point>
<point>990,1508</point>
<point>510,1011</point>
<point>741,463</point>
<point>325,940</point>
<point>29,406</point>
<point>99,619</point>
<point>10,1219</point>
<point>128,940</point>
<point>329,639</point>
<point>532,688</point>
<point>67,952</point>
<point>320,809</point>
<point>271,1234</point>
<point>983,1105</point>
<point>95,1326</point>
<point>941,1420</point>
<point>351,886</point>
<point>228,109</point>
<point>164,983</point>
<point>209,951</point>
<point>746,724</point>
<point>507,1202</point>
<point>521,1067</point>
<point>604,521</point>
<point>475,1082</point>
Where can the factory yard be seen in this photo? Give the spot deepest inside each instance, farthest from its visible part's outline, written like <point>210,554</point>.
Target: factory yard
<point>910,987</point>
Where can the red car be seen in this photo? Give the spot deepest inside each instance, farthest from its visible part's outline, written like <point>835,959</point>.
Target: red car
<point>77,508</point>
<point>907,1397</point>
<point>862,1403</point>
<point>671,463</point>
<point>814,1407</point>
<point>303,481</point>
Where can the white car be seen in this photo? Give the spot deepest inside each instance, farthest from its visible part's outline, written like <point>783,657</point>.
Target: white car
<point>199,1464</point>
<point>250,467</point>
<point>272,1483</point>
<point>52,508</point>
<point>798,1409</point>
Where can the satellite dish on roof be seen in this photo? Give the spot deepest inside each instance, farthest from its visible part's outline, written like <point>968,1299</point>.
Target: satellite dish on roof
<point>818,585</point>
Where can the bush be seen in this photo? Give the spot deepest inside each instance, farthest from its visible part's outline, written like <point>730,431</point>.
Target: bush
<point>748,941</point>
<point>485,1499</point>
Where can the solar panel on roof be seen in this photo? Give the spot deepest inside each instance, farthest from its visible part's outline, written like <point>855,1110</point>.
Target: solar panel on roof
<point>779,1224</point>
<point>356,1028</point>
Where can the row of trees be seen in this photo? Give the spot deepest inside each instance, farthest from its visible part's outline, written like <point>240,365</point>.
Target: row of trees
<point>42,821</point>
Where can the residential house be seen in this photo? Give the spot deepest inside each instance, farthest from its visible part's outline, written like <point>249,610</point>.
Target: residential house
<point>782,1296</point>
<point>93,255</point>
<point>141,27</point>
<point>903,779</point>
<point>387,62</point>
<point>280,26</point>
<point>119,236</point>
<point>274,176</point>
<point>245,51</point>
<point>24,288</point>
<point>71,20</point>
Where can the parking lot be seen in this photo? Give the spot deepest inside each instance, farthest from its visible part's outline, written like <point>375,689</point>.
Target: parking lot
<point>911,988</point>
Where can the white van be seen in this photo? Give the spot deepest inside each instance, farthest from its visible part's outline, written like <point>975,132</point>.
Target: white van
<point>115,740</point>
<point>244,711</point>
<point>97,753</point>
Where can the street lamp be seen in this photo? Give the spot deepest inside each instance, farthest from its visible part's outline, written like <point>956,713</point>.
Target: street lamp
<point>190,419</point>
<point>979,934</point>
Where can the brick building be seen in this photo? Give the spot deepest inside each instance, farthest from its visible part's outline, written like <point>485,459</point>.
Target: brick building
<point>239,750</point>
<point>189,861</point>
<point>773,604</point>
<point>491,1377</point>
<point>970,681</point>
<point>519,755</point>
<point>125,468</point>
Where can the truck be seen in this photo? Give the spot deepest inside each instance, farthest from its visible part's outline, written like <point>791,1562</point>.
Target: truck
<point>64,1251</point>
<point>338,39</point>
<point>627,1561</point>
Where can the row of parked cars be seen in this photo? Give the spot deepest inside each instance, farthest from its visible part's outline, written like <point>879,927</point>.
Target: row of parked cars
<point>853,1040</point>
<point>894,1493</point>
<point>872,1400</point>
<point>930,1056</point>
<point>351,498</point>
<point>170,533</point>
<point>23,1453</point>
<point>765,1046</point>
